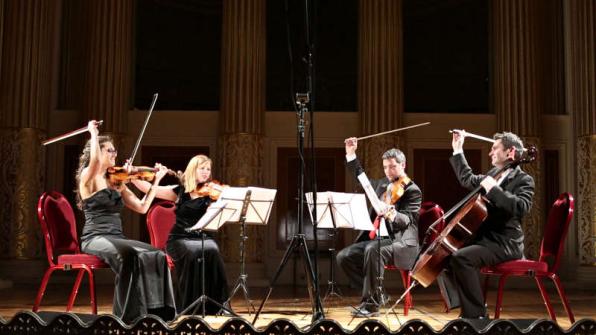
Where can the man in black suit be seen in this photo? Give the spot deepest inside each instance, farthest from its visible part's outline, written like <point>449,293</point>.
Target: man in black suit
<point>500,237</point>
<point>360,260</point>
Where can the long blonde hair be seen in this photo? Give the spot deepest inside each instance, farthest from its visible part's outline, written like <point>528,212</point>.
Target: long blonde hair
<point>189,178</point>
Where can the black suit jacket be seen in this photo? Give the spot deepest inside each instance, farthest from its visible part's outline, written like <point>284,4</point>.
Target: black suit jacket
<point>404,229</point>
<point>508,203</point>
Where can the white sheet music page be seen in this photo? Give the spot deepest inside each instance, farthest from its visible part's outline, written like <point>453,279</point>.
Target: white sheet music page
<point>324,219</point>
<point>207,222</point>
<point>260,203</point>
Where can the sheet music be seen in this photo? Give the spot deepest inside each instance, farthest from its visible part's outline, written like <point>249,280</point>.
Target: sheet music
<point>207,222</point>
<point>347,209</point>
<point>260,203</point>
<point>383,228</point>
<point>370,193</point>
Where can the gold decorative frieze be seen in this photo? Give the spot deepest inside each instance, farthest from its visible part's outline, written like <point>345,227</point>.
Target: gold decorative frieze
<point>533,223</point>
<point>585,201</point>
<point>21,185</point>
<point>241,156</point>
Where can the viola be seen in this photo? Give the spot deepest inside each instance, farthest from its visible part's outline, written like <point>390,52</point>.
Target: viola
<point>211,189</point>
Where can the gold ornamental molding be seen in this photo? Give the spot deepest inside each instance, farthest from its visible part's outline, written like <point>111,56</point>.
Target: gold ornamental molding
<point>533,223</point>
<point>585,210</point>
<point>241,157</point>
<point>20,186</point>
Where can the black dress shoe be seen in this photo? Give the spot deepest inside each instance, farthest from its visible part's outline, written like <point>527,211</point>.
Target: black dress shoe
<point>479,317</point>
<point>365,310</point>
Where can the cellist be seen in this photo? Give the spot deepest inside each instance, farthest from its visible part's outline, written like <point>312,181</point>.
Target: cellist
<point>500,237</point>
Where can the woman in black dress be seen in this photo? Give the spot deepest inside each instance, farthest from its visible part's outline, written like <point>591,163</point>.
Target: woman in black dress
<point>185,247</point>
<point>143,281</point>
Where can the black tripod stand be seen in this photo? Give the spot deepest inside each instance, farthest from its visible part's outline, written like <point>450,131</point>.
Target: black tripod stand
<point>204,298</point>
<point>332,287</point>
<point>241,282</point>
<point>298,242</point>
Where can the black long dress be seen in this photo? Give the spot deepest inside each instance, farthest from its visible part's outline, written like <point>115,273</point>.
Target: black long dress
<point>143,281</point>
<point>185,248</point>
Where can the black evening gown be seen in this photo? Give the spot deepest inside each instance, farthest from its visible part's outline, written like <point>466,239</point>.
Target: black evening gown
<point>143,281</point>
<point>185,248</point>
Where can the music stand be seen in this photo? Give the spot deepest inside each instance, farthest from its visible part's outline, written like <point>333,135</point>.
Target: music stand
<point>215,216</point>
<point>251,205</point>
<point>338,210</point>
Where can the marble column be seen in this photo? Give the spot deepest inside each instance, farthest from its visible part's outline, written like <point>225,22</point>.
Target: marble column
<point>518,95</point>
<point>25,103</point>
<point>581,97</point>
<point>242,114</point>
<point>380,80</point>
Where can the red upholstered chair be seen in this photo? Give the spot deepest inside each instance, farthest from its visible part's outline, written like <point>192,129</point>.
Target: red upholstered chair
<point>160,219</point>
<point>58,226</point>
<point>428,214</point>
<point>555,232</point>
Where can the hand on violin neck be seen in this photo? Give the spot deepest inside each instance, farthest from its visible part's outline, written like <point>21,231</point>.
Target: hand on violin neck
<point>161,172</point>
<point>488,183</point>
<point>390,214</point>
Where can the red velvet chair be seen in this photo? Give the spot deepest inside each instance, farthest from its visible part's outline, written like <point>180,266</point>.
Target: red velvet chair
<point>58,226</point>
<point>428,214</point>
<point>555,232</point>
<point>160,219</point>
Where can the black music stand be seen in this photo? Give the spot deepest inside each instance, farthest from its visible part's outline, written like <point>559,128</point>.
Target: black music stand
<point>212,220</point>
<point>253,206</point>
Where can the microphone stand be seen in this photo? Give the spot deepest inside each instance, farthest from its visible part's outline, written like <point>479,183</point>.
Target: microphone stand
<point>298,241</point>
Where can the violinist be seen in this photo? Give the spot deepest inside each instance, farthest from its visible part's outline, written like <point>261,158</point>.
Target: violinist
<point>500,237</point>
<point>143,282</point>
<point>193,195</point>
<point>360,260</point>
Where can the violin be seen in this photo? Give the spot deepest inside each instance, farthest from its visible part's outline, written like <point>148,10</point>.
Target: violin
<point>118,174</point>
<point>211,189</point>
<point>396,189</point>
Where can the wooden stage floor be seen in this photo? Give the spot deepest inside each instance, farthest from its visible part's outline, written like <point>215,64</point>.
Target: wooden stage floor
<point>293,304</point>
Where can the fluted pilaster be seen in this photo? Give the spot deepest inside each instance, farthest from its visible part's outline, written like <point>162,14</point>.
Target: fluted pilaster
<point>25,104</point>
<point>581,95</point>
<point>380,82</point>
<point>517,94</point>
<point>108,73</point>
<point>240,147</point>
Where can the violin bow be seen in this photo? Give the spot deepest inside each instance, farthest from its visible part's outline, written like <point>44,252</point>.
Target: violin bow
<point>69,134</point>
<point>393,131</point>
<point>482,138</point>
<point>134,151</point>
<point>467,134</point>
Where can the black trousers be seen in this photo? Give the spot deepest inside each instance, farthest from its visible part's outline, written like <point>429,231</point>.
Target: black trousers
<point>460,282</point>
<point>360,261</point>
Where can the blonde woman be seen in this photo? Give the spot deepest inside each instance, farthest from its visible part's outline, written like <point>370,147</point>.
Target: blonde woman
<point>143,282</point>
<point>185,247</point>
